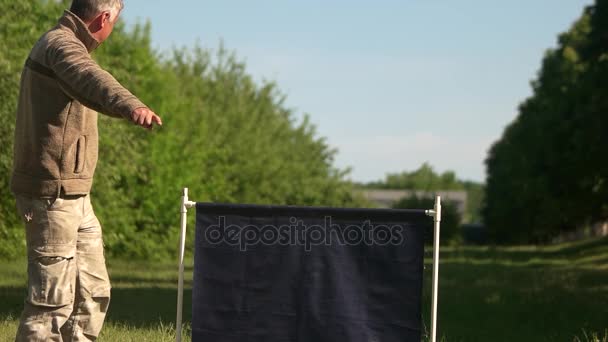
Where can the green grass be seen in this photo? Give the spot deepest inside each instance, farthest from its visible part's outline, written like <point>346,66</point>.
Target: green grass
<point>556,293</point>
<point>525,293</point>
<point>142,308</point>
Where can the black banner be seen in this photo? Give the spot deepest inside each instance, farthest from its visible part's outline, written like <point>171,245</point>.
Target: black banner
<point>306,274</point>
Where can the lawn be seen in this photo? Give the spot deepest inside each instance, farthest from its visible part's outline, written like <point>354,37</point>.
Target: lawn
<point>556,293</point>
<point>528,293</point>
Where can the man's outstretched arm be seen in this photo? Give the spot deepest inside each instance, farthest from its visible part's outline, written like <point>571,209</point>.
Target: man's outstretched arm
<point>84,80</point>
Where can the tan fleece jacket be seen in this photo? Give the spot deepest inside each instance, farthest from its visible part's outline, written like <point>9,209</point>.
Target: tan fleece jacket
<point>62,89</point>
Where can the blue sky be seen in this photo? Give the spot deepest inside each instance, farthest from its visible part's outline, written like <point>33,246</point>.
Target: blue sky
<point>391,84</point>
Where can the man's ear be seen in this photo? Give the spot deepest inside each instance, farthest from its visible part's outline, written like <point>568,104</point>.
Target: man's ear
<point>104,19</point>
<point>100,21</point>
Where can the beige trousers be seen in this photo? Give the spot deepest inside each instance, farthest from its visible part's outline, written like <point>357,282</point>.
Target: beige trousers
<point>68,285</point>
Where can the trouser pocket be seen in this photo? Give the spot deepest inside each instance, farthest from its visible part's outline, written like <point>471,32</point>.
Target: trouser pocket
<point>51,281</point>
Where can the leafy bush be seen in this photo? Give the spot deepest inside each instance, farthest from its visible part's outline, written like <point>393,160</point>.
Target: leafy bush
<point>225,137</point>
<point>450,218</point>
<point>426,179</point>
<point>548,173</point>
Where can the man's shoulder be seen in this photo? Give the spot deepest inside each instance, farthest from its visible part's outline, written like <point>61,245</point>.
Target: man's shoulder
<point>53,41</point>
<point>58,37</point>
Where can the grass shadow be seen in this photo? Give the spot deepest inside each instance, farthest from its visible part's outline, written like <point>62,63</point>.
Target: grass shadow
<point>486,294</point>
<point>140,307</point>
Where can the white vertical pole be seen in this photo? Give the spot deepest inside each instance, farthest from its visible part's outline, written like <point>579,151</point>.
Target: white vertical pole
<point>180,282</point>
<point>436,232</point>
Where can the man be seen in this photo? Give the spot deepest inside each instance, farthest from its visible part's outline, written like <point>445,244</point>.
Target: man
<point>55,155</point>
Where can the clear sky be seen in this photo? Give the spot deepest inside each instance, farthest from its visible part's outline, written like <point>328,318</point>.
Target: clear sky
<point>390,83</point>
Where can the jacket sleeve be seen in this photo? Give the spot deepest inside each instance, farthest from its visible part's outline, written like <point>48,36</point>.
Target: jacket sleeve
<point>84,80</point>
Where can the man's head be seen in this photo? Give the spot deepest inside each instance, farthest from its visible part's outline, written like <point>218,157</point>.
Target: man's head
<point>99,15</point>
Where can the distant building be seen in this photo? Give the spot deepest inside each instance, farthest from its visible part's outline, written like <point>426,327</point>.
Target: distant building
<point>384,198</point>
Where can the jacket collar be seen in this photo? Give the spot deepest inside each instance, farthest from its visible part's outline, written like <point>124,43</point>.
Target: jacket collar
<point>72,22</point>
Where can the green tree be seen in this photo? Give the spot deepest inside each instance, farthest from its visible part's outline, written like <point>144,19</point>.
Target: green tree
<point>450,218</point>
<point>426,179</point>
<point>547,173</point>
<point>225,136</point>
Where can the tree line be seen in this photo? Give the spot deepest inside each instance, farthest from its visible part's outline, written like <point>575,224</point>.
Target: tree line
<point>231,139</point>
<point>426,179</point>
<point>226,137</point>
<point>548,173</point>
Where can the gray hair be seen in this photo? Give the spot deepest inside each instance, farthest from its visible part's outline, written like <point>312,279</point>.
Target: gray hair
<point>89,9</point>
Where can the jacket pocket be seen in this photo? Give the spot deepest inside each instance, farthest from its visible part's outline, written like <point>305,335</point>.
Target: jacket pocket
<point>81,149</point>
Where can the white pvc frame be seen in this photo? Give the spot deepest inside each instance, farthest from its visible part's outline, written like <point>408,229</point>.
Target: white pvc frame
<point>186,204</point>
<point>182,249</point>
<point>436,214</point>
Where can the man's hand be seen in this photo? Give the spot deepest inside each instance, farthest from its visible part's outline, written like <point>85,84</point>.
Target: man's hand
<point>146,118</point>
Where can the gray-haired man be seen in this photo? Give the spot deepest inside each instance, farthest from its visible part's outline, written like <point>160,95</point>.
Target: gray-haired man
<point>55,155</point>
